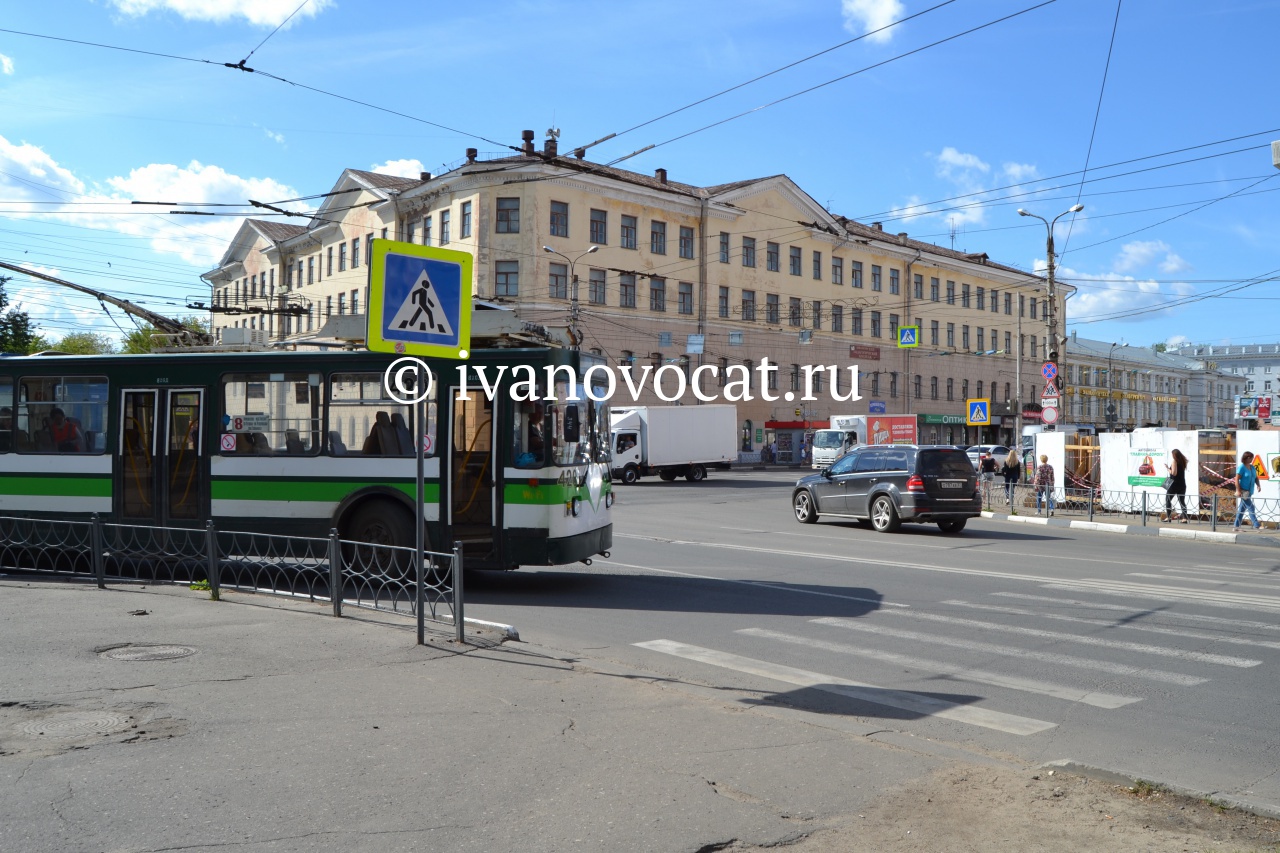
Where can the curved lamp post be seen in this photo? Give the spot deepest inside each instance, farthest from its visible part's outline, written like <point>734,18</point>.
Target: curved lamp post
<point>1052,314</point>
<point>573,293</point>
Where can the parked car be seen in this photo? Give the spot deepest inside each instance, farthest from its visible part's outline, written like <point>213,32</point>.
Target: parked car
<point>997,450</point>
<point>889,486</point>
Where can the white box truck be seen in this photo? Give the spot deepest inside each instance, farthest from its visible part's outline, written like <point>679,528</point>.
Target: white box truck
<point>848,431</point>
<point>672,441</point>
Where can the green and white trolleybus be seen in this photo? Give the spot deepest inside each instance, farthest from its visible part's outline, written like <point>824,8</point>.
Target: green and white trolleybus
<point>301,443</point>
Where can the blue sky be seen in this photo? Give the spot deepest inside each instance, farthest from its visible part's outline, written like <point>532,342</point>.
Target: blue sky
<point>992,116</point>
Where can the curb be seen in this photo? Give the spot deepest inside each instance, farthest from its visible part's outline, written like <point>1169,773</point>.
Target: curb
<point>1128,780</point>
<point>1262,540</point>
<point>509,631</point>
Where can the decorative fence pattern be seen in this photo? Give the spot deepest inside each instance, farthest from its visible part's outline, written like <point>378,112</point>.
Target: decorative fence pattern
<point>355,574</point>
<point>1213,509</point>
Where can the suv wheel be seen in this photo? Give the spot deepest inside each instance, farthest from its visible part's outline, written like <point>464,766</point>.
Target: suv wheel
<point>953,526</point>
<point>806,510</point>
<point>884,517</point>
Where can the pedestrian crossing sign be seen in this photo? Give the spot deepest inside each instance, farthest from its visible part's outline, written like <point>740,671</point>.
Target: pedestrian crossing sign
<point>908,336</point>
<point>419,300</point>
<point>978,412</point>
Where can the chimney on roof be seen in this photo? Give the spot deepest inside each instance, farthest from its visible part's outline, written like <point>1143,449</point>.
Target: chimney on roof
<point>527,145</point>
<point>879,226</point>
<point>471,155</point>
<point>424,176</point>
<point>661,175</point>
<point>1073,336</point>
<point>902,237</point>
<point>549,147</point>
<point>579,153</point>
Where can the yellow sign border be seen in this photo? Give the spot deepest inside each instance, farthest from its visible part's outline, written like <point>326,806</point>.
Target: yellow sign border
<point>968,410</point>
<point>377,278</point>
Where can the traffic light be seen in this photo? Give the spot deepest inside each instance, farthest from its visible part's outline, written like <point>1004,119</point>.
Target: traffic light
<point>799,412</point>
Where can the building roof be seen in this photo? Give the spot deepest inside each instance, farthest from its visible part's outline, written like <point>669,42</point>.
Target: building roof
<point>277,231</point>
<point>1145,357</point>
<point>386,182</point>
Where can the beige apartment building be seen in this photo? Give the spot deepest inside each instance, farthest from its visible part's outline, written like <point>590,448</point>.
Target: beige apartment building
<point>725,276</point>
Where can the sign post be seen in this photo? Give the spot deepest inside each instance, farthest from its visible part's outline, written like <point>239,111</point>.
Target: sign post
<point>419,304</point>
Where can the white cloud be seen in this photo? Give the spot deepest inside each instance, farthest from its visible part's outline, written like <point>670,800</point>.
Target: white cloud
<point>273,136</point>
<point>1138,254</point>
<point>951,163</point>
<point>861,16</point>
<point>1173,264</point>
<point>6,64</point>
<point>1113,292</point>
<point>1175,341</point>
<point>264,13</point>
<point>965,172</point>
<point>1019,172</point>
<point>400,168</point>
<point>29,175</point>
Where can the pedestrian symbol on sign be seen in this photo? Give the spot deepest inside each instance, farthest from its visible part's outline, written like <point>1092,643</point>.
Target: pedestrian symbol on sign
<point>908,336</point>
<point>978,412</point>
<point>421,311</point>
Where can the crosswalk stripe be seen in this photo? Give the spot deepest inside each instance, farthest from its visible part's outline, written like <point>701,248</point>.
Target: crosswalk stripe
<point>1208,598</point>
<point>916,703</point>
<point>1007,651</point>
<point>1230,624</point>
<point>1025,685</point>
<point>1121,645</point>
<point>1190,579</point>
<point>1190,633</point>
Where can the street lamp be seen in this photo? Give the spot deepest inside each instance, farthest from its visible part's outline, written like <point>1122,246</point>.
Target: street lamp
<point>573,294</point>
<point>1051,315</point>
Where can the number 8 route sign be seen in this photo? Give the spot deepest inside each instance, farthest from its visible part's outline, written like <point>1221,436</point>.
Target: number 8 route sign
<point>419,300</point>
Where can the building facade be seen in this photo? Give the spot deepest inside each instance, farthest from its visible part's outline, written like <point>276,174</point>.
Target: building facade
<point>740,275</point>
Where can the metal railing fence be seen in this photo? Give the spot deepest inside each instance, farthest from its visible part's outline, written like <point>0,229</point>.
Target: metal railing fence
<point>1213,510</point>
<point>346,573</point>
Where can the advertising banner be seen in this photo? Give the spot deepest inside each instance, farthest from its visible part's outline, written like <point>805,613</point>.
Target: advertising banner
<point>1147,466</point>
<point>892,429</point>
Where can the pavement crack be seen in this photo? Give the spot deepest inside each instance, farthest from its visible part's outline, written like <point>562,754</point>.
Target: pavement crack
<point>573,724</point>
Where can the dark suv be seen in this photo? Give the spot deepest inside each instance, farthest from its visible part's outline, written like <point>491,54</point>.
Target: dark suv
<point>888,485</point>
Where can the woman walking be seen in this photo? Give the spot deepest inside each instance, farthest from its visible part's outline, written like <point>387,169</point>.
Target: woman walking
<point>1012,472</point>
<point>1177,486</point>
<point>1044,484</point>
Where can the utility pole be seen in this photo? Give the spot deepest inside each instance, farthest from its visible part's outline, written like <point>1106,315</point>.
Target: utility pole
<point>1051,314</point>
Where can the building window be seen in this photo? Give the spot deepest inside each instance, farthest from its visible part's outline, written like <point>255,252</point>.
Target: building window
<point>657,294</point>
<point>817,266</point>
<point>1008,304</point>
<point>686,297</point>
<point>558,283</point>
<point>1008,342</point>
<point>311,270</point>
<point>964,390</point>
<point>855,316</point>
<point>916,383</point>
<point>795,377</point>
<point>722,302</point>
<point>876,278</point>
<point>328,252</point>
<point>1033,308</point>
<point>982,339</point>
<point>444,226</point>
<point>794,260</point>
<point>918,286</point>
<point>951,293</point>
<point>355,253</point>
<point>426,231</point>
<point>893,384</point>
<point>465,231</point>
<point>895,288</point>
<point>724,247</point>
<point>342,256</point>
<point>837,318</point>
<point>657,237</point>
<point>837,270</point>
<point>355,302</point>
<point>342,304</point>
<point>951,389</point>
<point>951,336</point>
<point>793,311</point>
<point>600,227</point>
<point>629,232</point>
<point>626,290</point>
<point>686,242</point>
<point>506,280</point>
<point>933,332</point>
<point>559,219</point>
<point>964,296</point>
<point>328,307</point>
<point>893,326</point>
<point>508,216</point>
<point>964,338</point>
<point>855,269</point>
<point>933,387</point>
<point>749,305</point>
<point>933,290</point>
<point>875,324</point>
<point>368,247</point>
<point>596,287</point>
<point>772,308</point>
<point>748,251</point>
<point>979,394</point>
<point>772,257</point>
<point>816,307</point>
<point>412,234</point>
<point>1022,305</point>
<point>982,299</point>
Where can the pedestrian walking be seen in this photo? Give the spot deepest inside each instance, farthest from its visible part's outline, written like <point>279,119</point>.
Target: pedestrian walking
<point>1044,483</point>
<point>1246,482</point>
<point>1176,484</point>
<point>987,476</point>
<point>1011,471</point>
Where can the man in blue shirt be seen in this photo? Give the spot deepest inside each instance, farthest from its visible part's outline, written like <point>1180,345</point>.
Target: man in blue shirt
<point>1246,481</point>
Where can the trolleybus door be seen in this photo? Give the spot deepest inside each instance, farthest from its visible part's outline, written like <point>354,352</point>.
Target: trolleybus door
<point>474,506</point>
<point>160,477</point>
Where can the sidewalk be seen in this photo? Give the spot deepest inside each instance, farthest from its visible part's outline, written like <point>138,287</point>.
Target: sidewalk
<point>1154,527</point>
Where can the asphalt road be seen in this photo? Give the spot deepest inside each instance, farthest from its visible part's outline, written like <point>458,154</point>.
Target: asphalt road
<point>1150,656</point>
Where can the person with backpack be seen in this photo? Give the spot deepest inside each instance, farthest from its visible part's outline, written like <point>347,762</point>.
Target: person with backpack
<point>1246,482</point>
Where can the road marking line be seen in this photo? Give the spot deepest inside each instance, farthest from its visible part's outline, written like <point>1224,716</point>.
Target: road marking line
<point>1135,611</point>
<point>916,703</point>
<point>1211,598</point>
<point>1026,685</point>
<point>1189,633</point>
<point>1191,576</point>
<point>996,649</point>
<point>770,585</point>
<point>1121,645</point>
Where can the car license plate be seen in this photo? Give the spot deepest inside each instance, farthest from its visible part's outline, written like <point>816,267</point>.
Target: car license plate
<point>951,485</point>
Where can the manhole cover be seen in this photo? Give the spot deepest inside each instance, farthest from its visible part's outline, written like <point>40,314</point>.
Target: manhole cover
<point>77,724</point>
<point>148,652</point>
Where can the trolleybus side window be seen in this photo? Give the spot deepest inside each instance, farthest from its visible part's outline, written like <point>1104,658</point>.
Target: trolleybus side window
<point>61,414</point>
<point>570,442</point>
<point>272,414</point>
<point>365,421</point>
<point>6,414</point>
<point>529,446</point>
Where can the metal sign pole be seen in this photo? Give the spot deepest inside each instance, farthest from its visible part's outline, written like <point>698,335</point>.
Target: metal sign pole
<point>419,521</point>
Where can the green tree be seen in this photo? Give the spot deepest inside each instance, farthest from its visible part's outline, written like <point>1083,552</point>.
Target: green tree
<point>1160,347</point>
<point>139,340</point>
<point>16,333</point>
<point>86,343</point>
